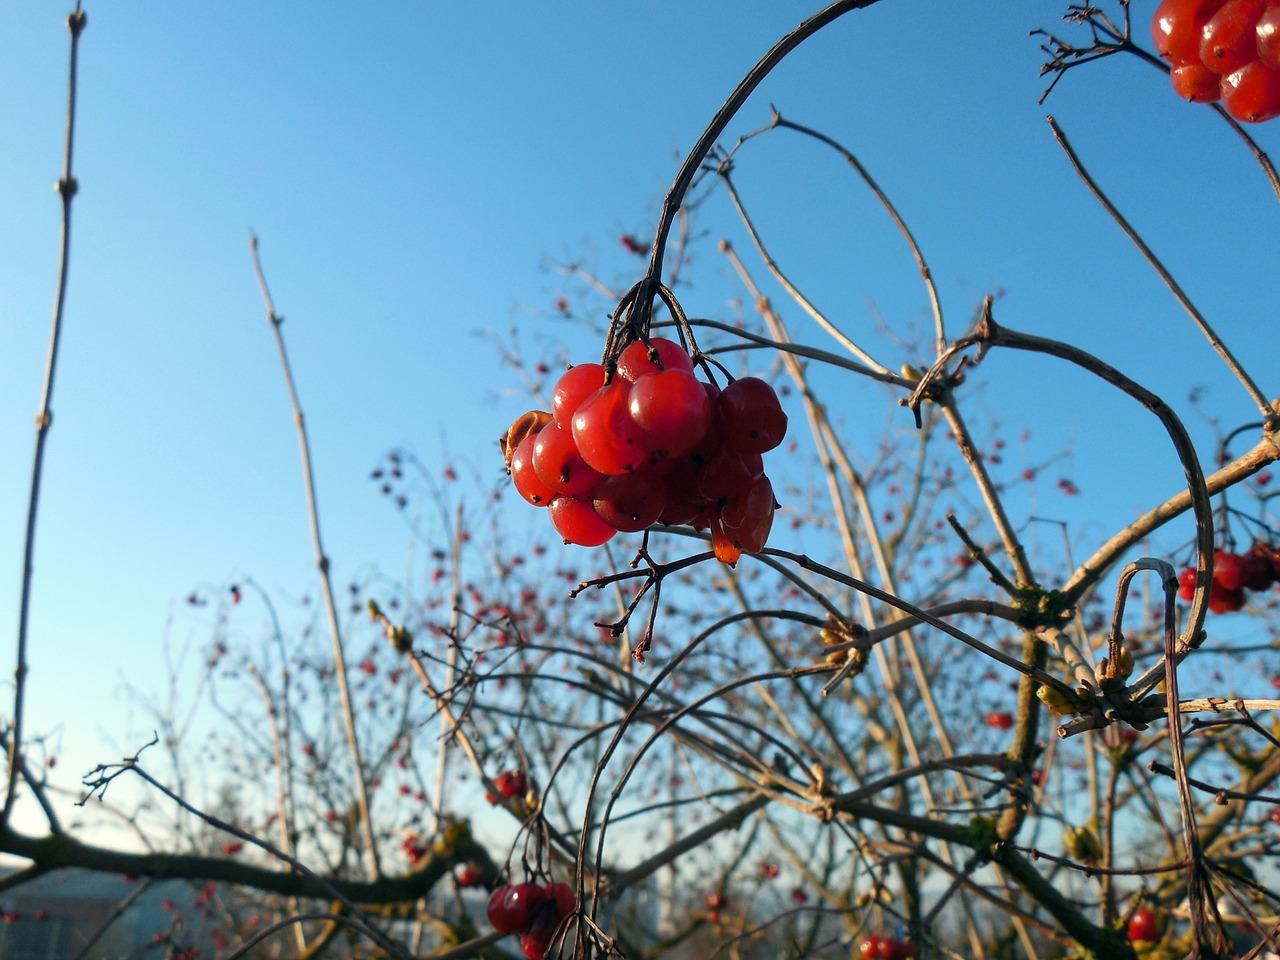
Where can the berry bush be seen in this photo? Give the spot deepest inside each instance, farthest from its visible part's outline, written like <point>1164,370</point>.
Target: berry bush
<point>887,715</point>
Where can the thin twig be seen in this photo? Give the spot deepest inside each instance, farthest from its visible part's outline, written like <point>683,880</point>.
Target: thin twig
<point>322,564</point>
<point>67,187</point>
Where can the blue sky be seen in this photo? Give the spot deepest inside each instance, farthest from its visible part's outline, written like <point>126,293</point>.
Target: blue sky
<point>410,168</point>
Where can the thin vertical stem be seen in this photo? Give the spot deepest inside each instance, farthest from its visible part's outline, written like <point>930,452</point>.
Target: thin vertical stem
<point>322,563</point>
<point>66,188</point>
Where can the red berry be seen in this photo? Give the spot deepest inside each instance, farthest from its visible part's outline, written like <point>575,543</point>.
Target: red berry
<point>1255,568</point>
<point>510,783</point>
<point>873,947</point>
<point>608,439</point>
<point>715,901</point>
<point>630,502</point>
<point>525,477</point>
<point>513,908</point>
<point>1187,583</point>
<point>1229,39</point>
<point>1252,93</point>
<point>575,385</point>
<point>1195,82</point>
<point>728,473</point>
<point>749,417</point>
<point>1224,600</point>
<point>577,522</point>
<point>559,465</point>
<point>637,360</point>
<point>536,941</point>
<point>682,502</point>
<point>1227,569</point>
<point>1144,926</point>
<point>560,895</point>
<point>1267,31</point>
<point>748,517</point>
<point>1176,26</point>
<point>1001,720</point>
<point>672,409</point>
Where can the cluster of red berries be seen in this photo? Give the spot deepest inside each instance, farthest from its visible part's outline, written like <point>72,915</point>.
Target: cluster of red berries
<point>1226,50</point>
<point>886,948</point>
<point>1233,575</point>
<point>510,783</point>
<point>653,444</point>
<point>533,911</point>
<point>414,849</point>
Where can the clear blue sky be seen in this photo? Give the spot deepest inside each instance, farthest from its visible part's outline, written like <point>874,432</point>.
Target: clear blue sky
<point>408,167</point>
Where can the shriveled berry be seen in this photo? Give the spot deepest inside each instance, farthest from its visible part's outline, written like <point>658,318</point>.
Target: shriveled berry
<point>748,518</point>
<point>749,417</point>
<point>728,473</point>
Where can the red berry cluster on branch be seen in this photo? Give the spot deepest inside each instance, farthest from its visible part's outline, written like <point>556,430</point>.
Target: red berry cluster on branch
<point>1226,50</point>
<point>533,911</point>
<point>1234,575</point>
<point>653,444</point>
<point>510,783</point>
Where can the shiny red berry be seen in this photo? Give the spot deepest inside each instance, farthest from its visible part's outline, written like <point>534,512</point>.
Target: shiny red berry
<point>577,522</point>
<point>1267,33</point>
<point>1144,926</point>
<point>559,465</point>
<point>1195,82</point>
<point>525,478</point>
<point>608,439</point>
<point>575,385</point>
<point>1229,38</point>
<point>1176,25</point>
<point>1252,93</point>
<point>637,360</point>
<point>672,409</point>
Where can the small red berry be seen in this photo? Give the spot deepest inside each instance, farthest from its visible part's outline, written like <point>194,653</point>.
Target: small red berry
<point>1000,720</point>
<point>1144,926</point>
<point>1195,82</point>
